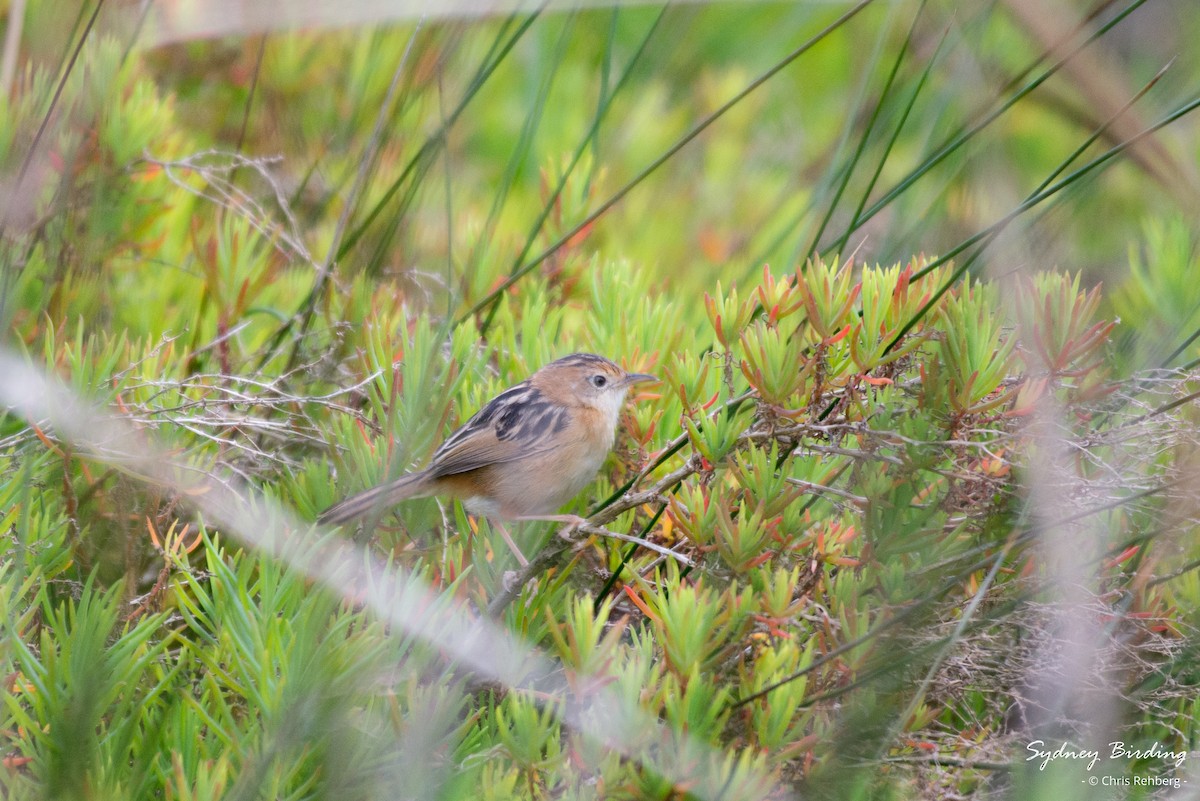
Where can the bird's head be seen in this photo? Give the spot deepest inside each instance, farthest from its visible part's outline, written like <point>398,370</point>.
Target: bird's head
<point>584,379</point>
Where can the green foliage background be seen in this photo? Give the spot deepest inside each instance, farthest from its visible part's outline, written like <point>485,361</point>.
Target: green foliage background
<point>293,262</point>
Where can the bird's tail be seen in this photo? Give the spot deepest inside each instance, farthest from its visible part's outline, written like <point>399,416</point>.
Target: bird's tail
<point>377,499</point>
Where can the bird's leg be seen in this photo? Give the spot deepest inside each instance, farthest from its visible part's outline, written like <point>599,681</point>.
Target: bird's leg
<point>574,520</point>
<point>496,524</point>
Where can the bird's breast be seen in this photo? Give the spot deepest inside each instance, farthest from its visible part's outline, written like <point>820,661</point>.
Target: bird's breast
<point>551,476</point>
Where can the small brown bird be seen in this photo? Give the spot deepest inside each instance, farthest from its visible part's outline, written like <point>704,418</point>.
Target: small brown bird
<point>527,452</point>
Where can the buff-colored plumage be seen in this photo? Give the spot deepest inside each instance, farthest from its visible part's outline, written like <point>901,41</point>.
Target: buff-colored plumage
<point>523,455</point>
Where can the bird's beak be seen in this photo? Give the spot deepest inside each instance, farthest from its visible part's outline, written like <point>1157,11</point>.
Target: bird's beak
<point>640,378</point>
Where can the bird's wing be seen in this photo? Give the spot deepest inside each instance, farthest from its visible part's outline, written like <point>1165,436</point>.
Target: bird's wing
<point>518,423</point>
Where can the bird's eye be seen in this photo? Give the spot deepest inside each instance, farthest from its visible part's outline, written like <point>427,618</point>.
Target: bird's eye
<point>599,381</point>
